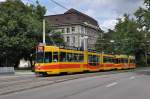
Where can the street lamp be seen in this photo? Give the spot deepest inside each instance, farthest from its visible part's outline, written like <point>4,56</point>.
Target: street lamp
<point>44,32</point>
<point>112,41</point>
<point>84,38</point>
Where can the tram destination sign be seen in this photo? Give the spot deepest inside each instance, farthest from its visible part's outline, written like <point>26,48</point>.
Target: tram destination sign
<point>40,48</point>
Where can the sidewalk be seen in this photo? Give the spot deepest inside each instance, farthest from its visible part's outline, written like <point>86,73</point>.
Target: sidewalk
<point>24,72</point>
<point>18,73</point>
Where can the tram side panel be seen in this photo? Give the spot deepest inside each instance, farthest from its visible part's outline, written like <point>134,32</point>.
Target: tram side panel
<point>107,62</point>
<point>93,62</point>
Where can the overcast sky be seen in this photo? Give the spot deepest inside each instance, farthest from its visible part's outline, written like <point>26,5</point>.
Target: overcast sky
<point>104,11</point>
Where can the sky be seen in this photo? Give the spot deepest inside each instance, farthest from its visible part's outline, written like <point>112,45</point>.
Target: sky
<point>106,12</point>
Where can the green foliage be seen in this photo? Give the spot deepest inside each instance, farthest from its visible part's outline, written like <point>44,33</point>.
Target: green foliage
<point>143,20</point>
<point>103,43</point>
<point>20,30</point>
<point>131,36</point>
<point>127,35</point>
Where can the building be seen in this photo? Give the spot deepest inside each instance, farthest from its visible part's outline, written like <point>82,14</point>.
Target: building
<point>77,28</point>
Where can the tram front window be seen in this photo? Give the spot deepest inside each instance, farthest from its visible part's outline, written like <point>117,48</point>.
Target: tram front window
<point>44,58</point>
<point>40,57</point>
<point>48,57</point>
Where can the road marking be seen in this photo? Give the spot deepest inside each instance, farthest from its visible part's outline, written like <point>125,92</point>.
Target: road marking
<point>133,77</point>
<point>112,84</point>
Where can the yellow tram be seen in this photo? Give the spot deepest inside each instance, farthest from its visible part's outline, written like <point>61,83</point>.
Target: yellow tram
<point>55,60</point>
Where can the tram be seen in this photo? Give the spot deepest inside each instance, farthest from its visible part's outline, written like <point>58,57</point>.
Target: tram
<point>56,60</point>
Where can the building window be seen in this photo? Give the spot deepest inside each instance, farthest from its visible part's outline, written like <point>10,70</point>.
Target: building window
<point>74,39</point>
<point>68,39</point>
<point>73,29</point>
<point>82,29</point>
<point>63,30</point>
<point>68,30</point>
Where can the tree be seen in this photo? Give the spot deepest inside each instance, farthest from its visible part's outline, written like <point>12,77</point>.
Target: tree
<point>20,30</point>
<point>104,43</point>
<point>131,35</point>
<point>125,37</point>
<point>143,19</point>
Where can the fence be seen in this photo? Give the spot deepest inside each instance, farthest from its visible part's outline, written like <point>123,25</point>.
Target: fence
<point>7,70</point>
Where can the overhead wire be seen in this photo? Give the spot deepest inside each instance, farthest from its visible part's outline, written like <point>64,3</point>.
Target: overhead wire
<point>59,4</point>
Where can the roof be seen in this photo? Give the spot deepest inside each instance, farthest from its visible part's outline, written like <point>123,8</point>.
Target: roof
<point>71,16</point>
<point>121,56</point>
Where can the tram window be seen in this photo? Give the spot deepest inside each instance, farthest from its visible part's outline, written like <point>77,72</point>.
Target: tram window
<point>110,59</point>
<point>81,57</point>
<point>93,60</point>
<point>115,61</point>
<point>40,57</point>
<point>62,57</point>
<point>48,57</point>
<point>90,60</point>
<point>76,57</point>
<point>121,60</point>
<point>69,57</point>
<point>98,59</point>
<point>107,60</point>
<point>55,57</point>
<point>126,60</point>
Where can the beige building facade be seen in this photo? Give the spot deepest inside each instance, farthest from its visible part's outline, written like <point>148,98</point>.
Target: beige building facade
<point>77,28</point>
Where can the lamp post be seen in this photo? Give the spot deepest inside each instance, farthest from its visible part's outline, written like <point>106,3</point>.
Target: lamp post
<point>112,41</point>
<point>84,39</point>
<point>44,32</point>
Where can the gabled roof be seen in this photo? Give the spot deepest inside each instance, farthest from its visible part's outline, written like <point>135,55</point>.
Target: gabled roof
<point>71,16</point>
<point>77,12</point>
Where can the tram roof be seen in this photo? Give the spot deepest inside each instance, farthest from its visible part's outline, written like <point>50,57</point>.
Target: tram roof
<point>108,55</point>
<point>121,56</point>
<point>51,48</point>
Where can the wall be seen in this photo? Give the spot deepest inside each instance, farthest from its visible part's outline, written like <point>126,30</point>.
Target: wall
<point>7,70</point>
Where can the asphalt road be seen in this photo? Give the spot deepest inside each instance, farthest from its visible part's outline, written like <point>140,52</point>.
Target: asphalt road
<point>129,85</point>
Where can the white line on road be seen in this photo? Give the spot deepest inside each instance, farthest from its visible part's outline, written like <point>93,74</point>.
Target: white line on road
<point>133,77</point>
<point>112,84</point>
